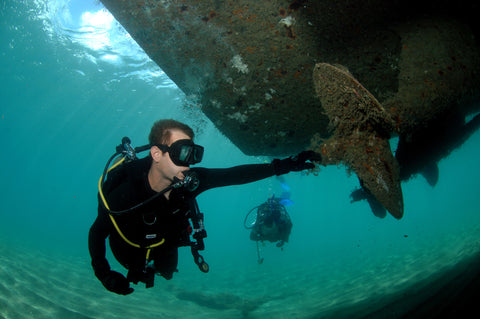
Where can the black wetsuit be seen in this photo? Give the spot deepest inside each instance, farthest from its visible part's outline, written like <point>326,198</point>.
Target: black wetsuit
<point>159,219</point>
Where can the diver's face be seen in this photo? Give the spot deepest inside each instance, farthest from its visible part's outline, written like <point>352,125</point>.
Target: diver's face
<point>166,165</point>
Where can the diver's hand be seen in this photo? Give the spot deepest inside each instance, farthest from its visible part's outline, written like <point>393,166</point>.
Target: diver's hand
<point>117,283</point>
<point>296,163</point>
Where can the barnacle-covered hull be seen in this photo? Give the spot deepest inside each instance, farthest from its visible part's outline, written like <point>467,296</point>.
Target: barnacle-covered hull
<point>250,66</point>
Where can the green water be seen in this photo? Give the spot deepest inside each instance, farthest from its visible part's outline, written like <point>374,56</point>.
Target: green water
<point>70,92</point>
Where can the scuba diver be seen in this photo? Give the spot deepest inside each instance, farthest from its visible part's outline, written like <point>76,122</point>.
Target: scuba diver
<point>147,207</point>
<point>271,223</point>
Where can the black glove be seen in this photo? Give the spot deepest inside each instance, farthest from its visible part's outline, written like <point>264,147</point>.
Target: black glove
<point>117,283</point>
<point>296,163</point>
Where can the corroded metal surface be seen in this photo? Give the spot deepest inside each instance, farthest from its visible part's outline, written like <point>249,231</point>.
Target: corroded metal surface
<point>250,66</point>
<point>249,63</point>
<point>361,135</point>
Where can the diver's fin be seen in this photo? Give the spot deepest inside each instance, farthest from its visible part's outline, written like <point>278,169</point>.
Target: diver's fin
<point>361,136</point>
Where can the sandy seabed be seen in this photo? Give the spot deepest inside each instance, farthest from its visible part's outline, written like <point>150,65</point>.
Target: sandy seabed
<point>36,284</point>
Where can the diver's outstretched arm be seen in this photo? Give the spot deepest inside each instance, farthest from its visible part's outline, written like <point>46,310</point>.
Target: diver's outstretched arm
<point>243,174</point>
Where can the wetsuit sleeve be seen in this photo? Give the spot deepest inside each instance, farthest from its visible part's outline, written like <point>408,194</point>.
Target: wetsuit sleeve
<point>96,243</point>
<point>237,175</point>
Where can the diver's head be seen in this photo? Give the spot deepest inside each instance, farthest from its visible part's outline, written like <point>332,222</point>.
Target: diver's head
<point>161,131</point>
<point>172,149</point>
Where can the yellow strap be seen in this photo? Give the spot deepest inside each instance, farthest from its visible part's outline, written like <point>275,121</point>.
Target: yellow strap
<point>148,254</point>
<point>130,242</point>
<point>113,219</point>
<point>101,179</point>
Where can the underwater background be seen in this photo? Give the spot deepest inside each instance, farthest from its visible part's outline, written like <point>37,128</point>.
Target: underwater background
<point>73,83</point>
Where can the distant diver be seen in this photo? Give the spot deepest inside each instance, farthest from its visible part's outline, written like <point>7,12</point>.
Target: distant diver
<point>271,222</point>
<point>147,207</point>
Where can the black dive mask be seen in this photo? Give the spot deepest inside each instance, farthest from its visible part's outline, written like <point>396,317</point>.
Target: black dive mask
<point>183,152</point>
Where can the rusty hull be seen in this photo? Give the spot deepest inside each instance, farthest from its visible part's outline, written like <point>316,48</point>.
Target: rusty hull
<point>250,66</point>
